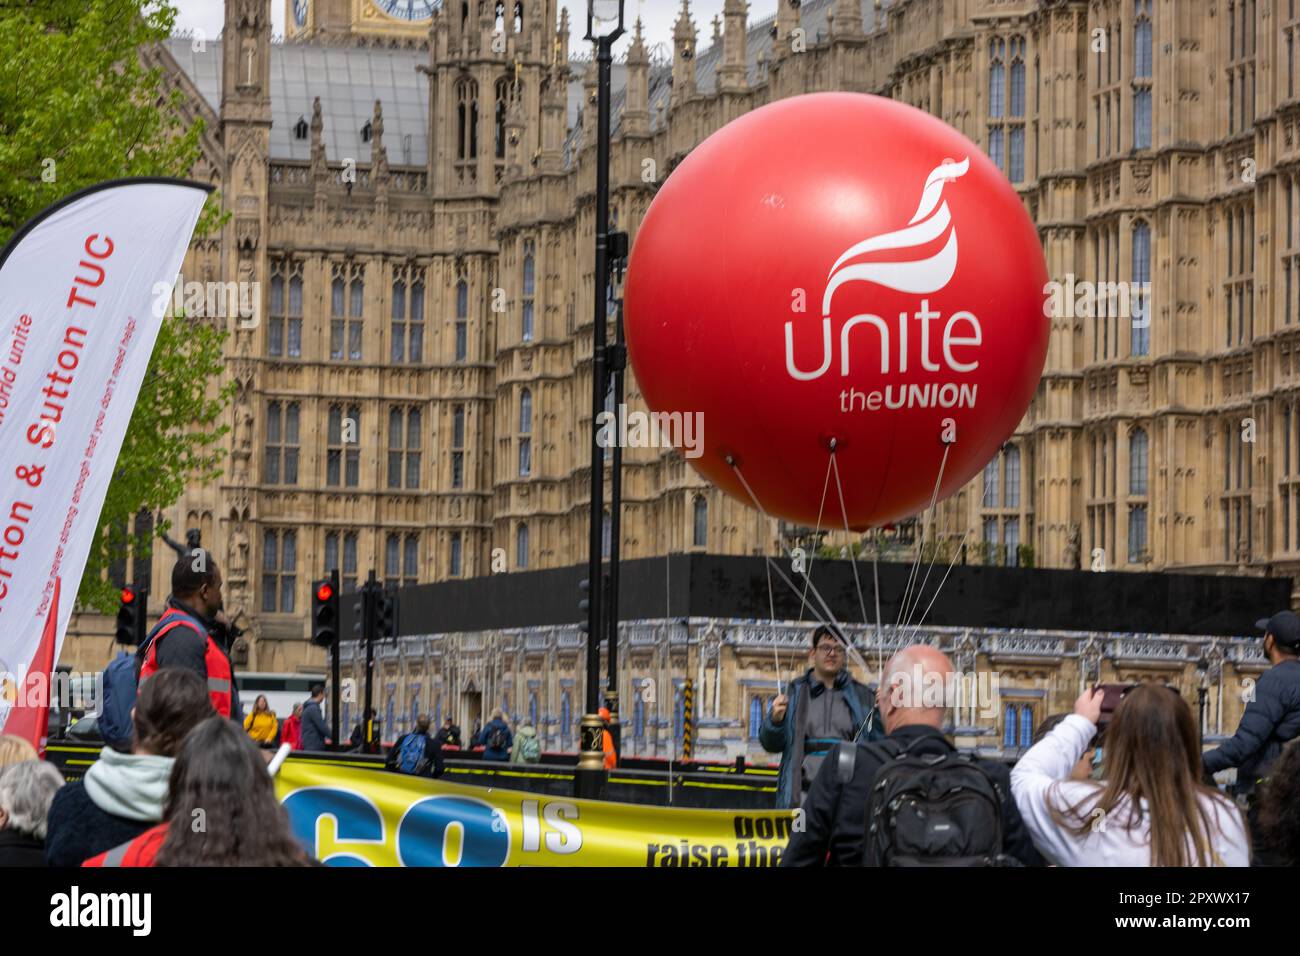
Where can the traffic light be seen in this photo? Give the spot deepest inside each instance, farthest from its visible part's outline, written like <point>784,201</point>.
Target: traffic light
<point>584,605</point>
<point>324,612</point>
<point>385,612</point>
<point>132,615</point>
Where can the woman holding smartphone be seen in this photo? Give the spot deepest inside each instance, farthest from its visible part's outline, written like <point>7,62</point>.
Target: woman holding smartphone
<point>1150,810</point>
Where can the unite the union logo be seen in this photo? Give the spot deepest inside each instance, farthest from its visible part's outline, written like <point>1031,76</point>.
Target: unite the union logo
<point>923,275</point>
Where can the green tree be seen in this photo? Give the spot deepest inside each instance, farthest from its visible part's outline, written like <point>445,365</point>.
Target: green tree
<point>79,106</point>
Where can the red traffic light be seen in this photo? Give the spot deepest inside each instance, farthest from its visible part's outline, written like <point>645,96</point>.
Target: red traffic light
<point>128,596</point>
<point>324,591</point>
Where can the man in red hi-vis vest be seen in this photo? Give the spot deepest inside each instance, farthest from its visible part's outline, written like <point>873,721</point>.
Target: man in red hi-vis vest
<point>134,853</point>
<point>183,636</point>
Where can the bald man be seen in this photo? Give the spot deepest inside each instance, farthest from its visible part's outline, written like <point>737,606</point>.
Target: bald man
<point>912,706</point>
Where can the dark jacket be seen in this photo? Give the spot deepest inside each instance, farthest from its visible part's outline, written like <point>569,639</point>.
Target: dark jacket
<point>183,647</point>
<point>1270,720</point>
<point>78,829</point>
<point>357,740</point>
<point>434,765</point>
<point>314,729</point>
<point>835,813</point>
<point>486,735</point>
<point>449,736</point>
<point>20,849</point>
<point>784,738</point>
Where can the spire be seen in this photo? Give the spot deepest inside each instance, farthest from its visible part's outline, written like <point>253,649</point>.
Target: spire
<point>319,170</point>
<point>636,52</point>
<point>683,55</point>
<point>555,94</point>
<point>636,114</point>
<point>589,103</point>
<point>562,37</point>
<point>787,21</point>
<point>378,154</point>
<point>320,173</point>
<point>515,135</point>
<point>482,32</point>
<point>439,27</point>
<point>733,72</point>
<point>848,18</point>
<point>246,63</point>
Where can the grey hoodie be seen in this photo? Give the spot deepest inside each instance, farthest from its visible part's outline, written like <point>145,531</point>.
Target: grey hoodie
<point>133,786</point>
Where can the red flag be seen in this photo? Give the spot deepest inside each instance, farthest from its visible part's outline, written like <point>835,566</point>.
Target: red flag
<point>33,723</point>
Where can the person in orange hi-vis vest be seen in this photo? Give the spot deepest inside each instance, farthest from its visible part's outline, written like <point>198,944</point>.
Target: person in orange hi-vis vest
<point>607,740</point>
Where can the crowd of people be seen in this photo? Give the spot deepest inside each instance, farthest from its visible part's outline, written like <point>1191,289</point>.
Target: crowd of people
<point>1126,785</point>
<point>1120,781</point>
<point>192,790</point>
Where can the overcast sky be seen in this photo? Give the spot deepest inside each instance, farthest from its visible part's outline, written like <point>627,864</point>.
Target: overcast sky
<point>658,16</point>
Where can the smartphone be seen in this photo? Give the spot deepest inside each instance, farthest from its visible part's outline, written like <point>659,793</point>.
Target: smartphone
<point>1112,694</point>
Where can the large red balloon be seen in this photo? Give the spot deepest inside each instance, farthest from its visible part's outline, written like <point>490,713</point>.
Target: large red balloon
<point>811,224</point>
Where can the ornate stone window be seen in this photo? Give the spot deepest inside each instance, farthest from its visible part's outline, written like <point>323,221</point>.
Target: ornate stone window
<point>280,462</point>
<point>1139,464</point>
<point>408,316</point>
<point>458,447</point>
<point>342,448</point>
<point>454,556</point>
<point>404,444</point>
<point>1234,503</point>
<point>1139,302</point>
<point>347,300</point>
<point>402,559</point>
<point>279,570</point>
<point>1141,74</point>
<point>529,288</point>
<point>284,319</point>
<point>1006,99</point>
<point>348,568</point>
<point>1101,493</point>
<point>525,433</point>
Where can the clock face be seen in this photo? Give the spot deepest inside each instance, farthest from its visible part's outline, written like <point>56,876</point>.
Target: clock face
<point>300,11</point>
<point>409,9</point>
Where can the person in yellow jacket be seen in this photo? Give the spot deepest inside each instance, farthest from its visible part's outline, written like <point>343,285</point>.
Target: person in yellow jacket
<point>261,723</point>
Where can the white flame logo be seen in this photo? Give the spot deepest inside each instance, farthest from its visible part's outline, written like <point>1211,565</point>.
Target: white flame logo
<point>928,224</point>
<point>921,276</point>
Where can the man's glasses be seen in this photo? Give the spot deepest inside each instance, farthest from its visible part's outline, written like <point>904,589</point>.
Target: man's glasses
<point>829,649</point>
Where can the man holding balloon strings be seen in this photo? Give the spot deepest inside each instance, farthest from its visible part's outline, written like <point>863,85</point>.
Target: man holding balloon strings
<point>818,710</point>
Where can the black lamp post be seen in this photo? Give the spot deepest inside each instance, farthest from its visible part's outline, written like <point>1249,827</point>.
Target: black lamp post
<point>604,27</point>
<point>1202,688</point>
<point>616,249</point>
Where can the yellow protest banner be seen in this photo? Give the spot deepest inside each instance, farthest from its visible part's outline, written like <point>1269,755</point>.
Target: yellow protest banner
<point>355,816</point>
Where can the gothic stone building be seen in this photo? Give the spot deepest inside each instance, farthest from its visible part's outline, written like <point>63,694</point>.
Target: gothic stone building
<point>411,185</point>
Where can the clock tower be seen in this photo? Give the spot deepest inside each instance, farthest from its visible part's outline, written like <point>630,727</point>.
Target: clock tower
<point>323,20</point>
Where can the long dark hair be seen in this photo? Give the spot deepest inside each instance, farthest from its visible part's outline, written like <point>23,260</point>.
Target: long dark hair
<point>1277,816</point>
<point>221,808</point>
<point>1153,753</point>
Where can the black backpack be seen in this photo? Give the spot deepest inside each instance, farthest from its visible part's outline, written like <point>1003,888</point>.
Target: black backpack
<point>497,740</point>
<point>940,809</point>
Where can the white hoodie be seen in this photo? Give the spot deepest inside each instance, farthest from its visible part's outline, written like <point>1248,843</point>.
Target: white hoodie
<point>132,786</point>
<point>1043,773</point>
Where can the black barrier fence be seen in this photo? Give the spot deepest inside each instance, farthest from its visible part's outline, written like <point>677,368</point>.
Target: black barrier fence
<point>713,586</point>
